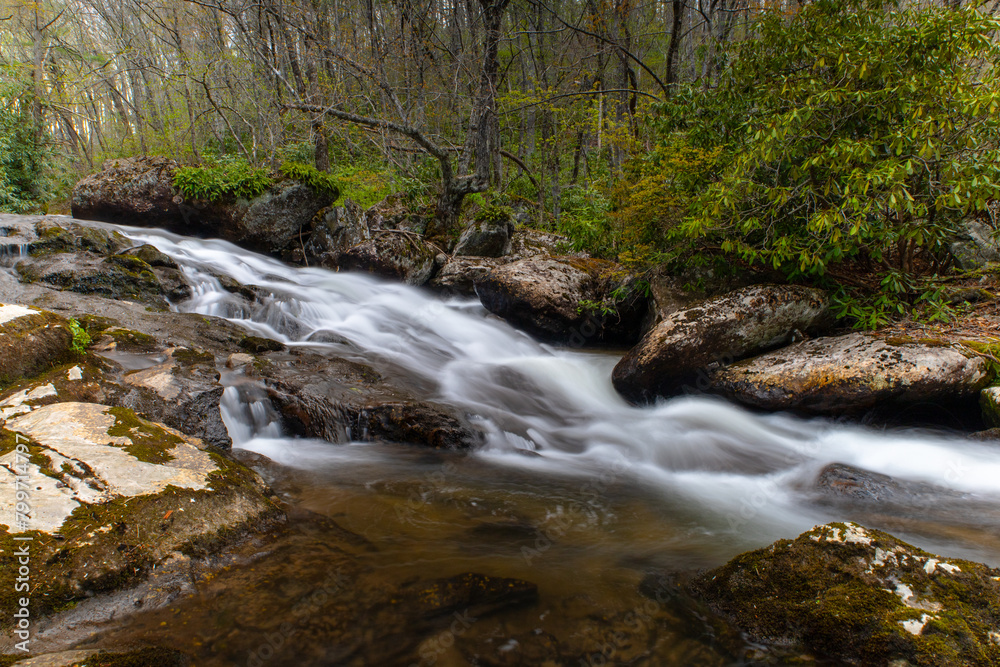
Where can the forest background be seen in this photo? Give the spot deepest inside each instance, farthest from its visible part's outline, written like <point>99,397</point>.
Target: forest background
<point>839,143</point>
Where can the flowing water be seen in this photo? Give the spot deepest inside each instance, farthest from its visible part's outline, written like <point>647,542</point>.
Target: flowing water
<point>574,489</point>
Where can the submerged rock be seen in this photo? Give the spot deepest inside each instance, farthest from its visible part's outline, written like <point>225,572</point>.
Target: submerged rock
<point>563,299</point>
<point>860,596</point>
<point>851,374</point>
<point>113,495</point>
<point>680,353</point>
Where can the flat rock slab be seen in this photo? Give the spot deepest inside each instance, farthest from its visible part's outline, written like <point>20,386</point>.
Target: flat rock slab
<point>81,441</point>
<point>678,355</point>
<point>860,596</point>
<point>851,374</point>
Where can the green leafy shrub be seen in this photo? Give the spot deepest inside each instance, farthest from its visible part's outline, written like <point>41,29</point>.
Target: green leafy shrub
<point>218,180</point>
<point>81,339</point>
<point>854,136</point>
<point>321,182</point>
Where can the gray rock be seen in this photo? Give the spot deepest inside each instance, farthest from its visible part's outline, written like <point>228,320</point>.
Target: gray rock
<point>337,229</point>
<point>486,238</point>
<point>130,191</point>
<point>850,594</point>
<point>565,299</point>
<point>851,374</point>
<point>975,246</point>
<point>680,353</point>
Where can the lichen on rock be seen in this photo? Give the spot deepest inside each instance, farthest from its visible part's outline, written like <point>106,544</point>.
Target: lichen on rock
<point>845,592</point>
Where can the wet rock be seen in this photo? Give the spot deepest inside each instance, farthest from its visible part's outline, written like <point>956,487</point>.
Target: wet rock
<point>183,392</point>
<point>680,352</point>
<point>839,481</point>
<point>471,593</point>
<point>130,191</point>
<point>56,234</point>
<point>120,277</point>
<point>460,274</point>
<point>112,495</point>
<point>851,594</point>
<point>31,342</point>
<point>565,299</point>
<point>150,255</point>
<point>257,345</point>
<point>488,236</point>
<point>989,402</point>
<point>851,374</point>
<point>975,246</point>
<point>991,435</point>
<point>394,254</point>
<point>273,222</point>
<point>341,401</point>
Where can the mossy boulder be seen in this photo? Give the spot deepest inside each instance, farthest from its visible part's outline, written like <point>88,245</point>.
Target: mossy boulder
<point>678,355</point>
<point>576,301</point>
<point>852,374</point>
<point>31,342</point>
<point>859,596</point>
<point>112,496</point>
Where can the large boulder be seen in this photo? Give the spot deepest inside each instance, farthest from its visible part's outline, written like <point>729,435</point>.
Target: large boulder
<point>112,496</point>
<point>563,299</point>
<point>342,401</point>
<point>851,374</point>
<point>139,191</point>
<point>844,593</point>
<point>681,351</point>
<point>135,191</point>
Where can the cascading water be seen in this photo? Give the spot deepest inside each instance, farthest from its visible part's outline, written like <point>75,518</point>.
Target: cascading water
<point>749,476</point>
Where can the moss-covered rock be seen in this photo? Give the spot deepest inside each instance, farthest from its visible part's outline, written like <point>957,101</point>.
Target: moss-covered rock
<point>860,596</point>
<point>31,341</point>
<point>258,345</point>
<point>112,495</point>
<point>989,402</point>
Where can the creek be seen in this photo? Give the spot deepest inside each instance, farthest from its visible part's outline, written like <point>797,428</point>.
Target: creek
<point>573,489</point>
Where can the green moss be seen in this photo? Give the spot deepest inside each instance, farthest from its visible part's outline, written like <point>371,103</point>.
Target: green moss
<point>131,263</point>
<point>258,345</point>
<point>150,443</point>
<point>188,357</point>
<point>94,325</point>
<point>129,340</point>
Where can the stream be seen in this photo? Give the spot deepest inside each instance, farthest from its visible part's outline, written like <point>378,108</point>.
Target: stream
<point>574,489</point>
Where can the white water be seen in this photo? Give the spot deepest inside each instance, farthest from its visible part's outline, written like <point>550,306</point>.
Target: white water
<point>744,472</point>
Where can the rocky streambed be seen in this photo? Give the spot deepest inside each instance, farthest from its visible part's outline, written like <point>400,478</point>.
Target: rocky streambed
<point>239,461</point>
